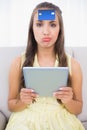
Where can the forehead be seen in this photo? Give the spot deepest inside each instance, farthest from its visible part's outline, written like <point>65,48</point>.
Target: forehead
<point>46,14</point>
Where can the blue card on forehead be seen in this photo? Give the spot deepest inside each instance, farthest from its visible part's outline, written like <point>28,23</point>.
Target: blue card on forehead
<point>46,14</point>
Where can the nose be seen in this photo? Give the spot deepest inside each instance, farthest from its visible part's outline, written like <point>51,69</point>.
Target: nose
<point>46,30</point>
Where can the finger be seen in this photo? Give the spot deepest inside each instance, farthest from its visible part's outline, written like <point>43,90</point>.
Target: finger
<point>34,95</point>
<point>27,96</point>
<point>25,93</point>
<point>27,101</point>
<point>63,94</point>
<point>27,90</point>
<point>65,89</point>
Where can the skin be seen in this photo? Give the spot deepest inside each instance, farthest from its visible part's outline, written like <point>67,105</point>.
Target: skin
<point>46,33</point>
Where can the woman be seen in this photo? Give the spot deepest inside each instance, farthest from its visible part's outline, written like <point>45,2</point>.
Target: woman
<point>45,48</point>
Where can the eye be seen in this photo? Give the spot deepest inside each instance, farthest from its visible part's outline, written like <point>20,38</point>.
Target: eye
<point>53,25</point>
<point>38,24</point>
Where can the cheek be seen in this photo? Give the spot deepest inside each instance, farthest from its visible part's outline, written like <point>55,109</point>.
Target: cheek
<point>55,35</point>
<point>36,35</point>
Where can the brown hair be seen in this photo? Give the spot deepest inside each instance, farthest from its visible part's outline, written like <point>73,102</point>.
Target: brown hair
<point>31,48</point>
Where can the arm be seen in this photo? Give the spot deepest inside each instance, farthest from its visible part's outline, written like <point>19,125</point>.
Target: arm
<point>71,97</point>
<point>18,99</point>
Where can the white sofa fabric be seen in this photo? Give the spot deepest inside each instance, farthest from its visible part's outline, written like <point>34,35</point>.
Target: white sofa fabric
<point>3,121</point>
<point>7,54</point>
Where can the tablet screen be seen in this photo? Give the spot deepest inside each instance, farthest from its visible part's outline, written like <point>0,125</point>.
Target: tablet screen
<point>45,80</point>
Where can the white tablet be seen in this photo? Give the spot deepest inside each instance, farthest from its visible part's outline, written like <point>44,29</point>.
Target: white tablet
<point>45,80</point>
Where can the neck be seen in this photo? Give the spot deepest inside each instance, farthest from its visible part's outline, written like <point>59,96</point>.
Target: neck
<point>46,58</point>
<point>46,52</point>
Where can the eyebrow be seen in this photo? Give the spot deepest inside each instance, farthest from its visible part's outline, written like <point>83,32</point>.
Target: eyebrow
<point>53,21</point>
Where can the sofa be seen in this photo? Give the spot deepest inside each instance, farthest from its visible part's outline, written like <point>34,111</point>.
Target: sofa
<point>7,54</point>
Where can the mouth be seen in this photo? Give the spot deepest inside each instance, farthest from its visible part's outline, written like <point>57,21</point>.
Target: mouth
<point>47,39</point>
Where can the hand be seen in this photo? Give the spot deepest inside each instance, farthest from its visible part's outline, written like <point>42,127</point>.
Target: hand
<point>27,96</point>
<point>65,94</point>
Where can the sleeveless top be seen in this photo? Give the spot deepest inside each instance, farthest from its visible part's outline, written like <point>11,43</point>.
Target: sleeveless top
<point>36,64</point>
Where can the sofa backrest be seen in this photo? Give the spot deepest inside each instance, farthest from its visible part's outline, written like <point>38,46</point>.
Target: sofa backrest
<point>7,54</point>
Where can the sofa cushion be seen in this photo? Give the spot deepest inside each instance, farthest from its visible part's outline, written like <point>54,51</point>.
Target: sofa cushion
<point>85,125</point>
<point>3,121</point>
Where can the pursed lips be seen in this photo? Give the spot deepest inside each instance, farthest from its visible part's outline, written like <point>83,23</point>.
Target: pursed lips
<point>46,39</point>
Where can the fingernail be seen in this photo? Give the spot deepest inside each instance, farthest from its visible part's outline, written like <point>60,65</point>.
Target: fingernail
<point>32,90</point>
<point>60,88</point>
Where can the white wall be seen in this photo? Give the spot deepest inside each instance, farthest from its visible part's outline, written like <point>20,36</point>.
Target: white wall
<point>15,14</point>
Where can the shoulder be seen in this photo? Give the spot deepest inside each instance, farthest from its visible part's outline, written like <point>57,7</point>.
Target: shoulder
<point>16,61</point>
<point>75,64</point>
<point>16,65</point>
<point>76,68</point>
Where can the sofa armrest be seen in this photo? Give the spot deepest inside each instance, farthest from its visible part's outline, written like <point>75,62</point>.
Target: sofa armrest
<point>3,121</point>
